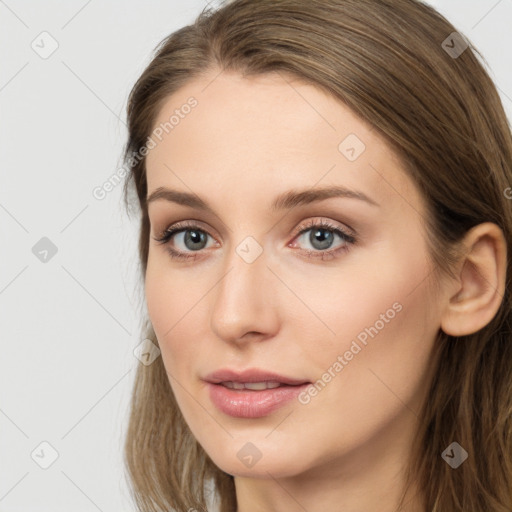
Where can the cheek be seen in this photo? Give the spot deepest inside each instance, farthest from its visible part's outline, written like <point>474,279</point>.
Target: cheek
<point>177,306</point>
<point>164,306</point>
<point>178,309</point>
<point>160,297</point>
<point>384,327</point>
<point>373,287</point>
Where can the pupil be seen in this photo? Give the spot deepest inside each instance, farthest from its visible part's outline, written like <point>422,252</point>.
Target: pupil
<point>324,241</point>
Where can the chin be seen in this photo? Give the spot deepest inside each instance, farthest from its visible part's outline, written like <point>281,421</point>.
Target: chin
<point>258,458</point>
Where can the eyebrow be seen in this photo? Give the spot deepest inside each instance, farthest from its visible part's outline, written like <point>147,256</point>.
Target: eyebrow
<point>287,200</point>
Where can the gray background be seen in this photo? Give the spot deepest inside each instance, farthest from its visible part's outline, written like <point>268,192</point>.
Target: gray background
<point>70,323</point>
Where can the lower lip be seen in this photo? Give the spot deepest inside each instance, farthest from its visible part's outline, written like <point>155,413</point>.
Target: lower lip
<point>244,403</point>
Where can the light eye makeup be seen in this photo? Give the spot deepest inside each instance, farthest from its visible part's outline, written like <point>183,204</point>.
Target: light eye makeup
<point>322,231</point>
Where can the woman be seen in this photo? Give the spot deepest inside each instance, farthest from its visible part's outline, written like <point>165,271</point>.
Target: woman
<point>326,225</point>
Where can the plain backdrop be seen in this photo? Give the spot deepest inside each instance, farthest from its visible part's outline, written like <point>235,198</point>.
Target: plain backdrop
<point>69,303</point>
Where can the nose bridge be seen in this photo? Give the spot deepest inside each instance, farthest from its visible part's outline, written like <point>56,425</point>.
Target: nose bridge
<point>243,301</point>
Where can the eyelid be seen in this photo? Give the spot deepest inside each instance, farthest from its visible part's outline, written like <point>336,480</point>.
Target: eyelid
<point>181,226</point>
<point>326,224</point>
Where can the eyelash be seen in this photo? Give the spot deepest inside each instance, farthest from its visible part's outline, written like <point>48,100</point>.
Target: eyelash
<point>349,240</point>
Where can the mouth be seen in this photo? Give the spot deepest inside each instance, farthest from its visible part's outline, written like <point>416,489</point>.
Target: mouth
<point>252,393</point>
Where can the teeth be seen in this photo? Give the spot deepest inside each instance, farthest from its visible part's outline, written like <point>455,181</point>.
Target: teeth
<point>254,386</point>
<point>258,386</point>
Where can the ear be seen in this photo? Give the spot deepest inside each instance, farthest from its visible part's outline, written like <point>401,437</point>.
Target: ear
<point>477,295</point>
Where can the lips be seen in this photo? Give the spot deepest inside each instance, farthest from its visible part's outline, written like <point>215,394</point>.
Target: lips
<point>251,393</point>
<point>251,376</point>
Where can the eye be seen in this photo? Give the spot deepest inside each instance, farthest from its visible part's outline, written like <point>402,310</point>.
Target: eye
<point>190,236</point>
<point>321,237</point>
<point>193,239</point>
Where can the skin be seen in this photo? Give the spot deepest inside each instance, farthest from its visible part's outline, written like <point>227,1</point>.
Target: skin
<point>248,140</point>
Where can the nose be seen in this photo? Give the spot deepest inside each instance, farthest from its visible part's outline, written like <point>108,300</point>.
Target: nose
<point>245,301</point>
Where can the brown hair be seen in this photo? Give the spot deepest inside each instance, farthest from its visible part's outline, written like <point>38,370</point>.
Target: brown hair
<point>442,114</point>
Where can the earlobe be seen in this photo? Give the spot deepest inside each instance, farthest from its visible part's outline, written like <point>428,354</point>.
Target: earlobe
<point>476,297</point>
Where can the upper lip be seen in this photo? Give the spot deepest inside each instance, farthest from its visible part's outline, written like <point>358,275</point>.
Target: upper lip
<point>250,375</point>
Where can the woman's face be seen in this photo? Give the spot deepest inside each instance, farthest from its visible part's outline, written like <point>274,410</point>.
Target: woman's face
<point>280,278</point>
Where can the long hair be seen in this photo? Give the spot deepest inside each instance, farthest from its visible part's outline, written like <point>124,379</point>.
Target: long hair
<point>398,65</point>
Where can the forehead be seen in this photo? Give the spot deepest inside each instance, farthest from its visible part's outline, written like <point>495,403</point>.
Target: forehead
<point>265,133</point>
